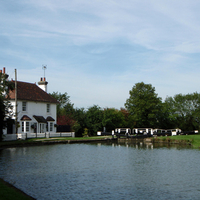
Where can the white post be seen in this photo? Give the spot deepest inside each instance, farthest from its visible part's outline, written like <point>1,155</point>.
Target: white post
<point>113,133</point>
<point>24,126</point>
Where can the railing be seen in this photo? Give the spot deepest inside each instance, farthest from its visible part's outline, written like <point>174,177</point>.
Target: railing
<point>24,136</point>
<point>66,134</point>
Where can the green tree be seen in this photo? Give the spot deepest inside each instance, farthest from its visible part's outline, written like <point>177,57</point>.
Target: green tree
<point>65,106</point>
<point>5,105</point>
<point>113,118</point>
<point>184,110</point>
<point>65,111</point>
<point>165,119</point>
<point>128,119</point>
<point>143,105</point>
<point>81,121</point>
<point>94,117</point>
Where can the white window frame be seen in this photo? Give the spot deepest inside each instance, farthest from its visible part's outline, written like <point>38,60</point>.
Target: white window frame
<point>24,106</point>
<point>22,126</point>
<point>51,126</point>
<point>48,108</point>
<point>27,126</point>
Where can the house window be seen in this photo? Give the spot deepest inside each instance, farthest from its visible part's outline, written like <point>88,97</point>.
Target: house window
<point>22,126</point>
<point>47,127</point>
<point>48,108</point>
<point>24,106</point>
<point>42,131</point>
<point>27,126</point>
<point>51,126</point>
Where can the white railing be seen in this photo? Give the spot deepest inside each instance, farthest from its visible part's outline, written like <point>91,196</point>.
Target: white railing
<point>24,136</point>
<point>66,134</point>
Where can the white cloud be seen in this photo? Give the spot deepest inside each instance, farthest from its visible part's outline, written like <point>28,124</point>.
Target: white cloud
<point>96,51</point>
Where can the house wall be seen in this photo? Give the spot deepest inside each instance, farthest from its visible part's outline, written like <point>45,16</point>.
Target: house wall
<point>35,108</point>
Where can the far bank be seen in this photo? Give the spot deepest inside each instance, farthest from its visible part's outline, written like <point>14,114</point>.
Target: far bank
<point>192,140</point>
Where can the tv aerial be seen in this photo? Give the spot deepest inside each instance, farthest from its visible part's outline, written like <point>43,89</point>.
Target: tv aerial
<point>44,67</point>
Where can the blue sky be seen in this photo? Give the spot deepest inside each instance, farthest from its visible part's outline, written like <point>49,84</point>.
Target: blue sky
<point>97,50</point>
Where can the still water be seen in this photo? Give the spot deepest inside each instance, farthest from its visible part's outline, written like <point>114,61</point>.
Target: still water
<point>103,171</point>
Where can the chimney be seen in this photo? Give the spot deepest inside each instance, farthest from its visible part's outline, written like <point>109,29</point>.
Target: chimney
<point>43,84</point>
<point>4,72</point>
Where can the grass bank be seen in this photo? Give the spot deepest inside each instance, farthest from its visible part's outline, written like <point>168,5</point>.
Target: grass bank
<point>193,140</point>
<point>9,192</point>
<point>42,141</point>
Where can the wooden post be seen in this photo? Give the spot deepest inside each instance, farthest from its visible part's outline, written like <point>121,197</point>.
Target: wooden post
<point>16,117</point>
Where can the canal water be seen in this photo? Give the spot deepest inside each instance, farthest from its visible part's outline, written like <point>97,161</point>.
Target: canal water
<point>103,171</point>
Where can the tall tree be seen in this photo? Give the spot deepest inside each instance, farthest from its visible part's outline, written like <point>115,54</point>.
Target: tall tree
<point>81,121</point>
<point>94,117</point>
<point>113,118</point>
<point>143,105</point>
<point>65,106</point>
<point>5,105</point>
<point>128,121</point>
<point>65,110</point>
<point>184,110</point>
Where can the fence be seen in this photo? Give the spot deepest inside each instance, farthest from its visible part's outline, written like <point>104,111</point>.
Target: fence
<point>24,136</point>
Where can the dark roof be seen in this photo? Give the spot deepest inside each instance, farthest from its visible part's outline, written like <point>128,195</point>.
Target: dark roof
<point>50,119</point>
<point>40,119</point>
<point>25,118</point>
<point>31,92</point>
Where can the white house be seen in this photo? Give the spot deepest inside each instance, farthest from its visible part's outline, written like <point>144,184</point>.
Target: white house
<point>35,107</point>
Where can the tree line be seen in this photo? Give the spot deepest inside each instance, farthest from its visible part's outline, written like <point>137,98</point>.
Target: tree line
<point>143,109</point>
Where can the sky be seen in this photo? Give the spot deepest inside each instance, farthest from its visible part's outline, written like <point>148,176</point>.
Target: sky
<point>96,51</point>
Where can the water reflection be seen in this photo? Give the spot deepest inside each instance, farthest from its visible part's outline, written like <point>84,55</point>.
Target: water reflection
<point>142,145</point>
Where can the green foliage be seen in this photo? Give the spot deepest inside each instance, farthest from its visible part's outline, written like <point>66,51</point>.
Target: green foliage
<point>143,105</point>
<point>5,105</point>
<point>76,127</point>
<point>8,192</point>
<point>143,108</point>
<point>113,118</point>
<point>184,110</point>
<point>94,117</point>
<point>193,140</point>
<point>80,117</point>
<point>85,134</point>
<point>65,107</point>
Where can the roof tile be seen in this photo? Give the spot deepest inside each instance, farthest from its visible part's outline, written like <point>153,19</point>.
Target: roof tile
<point>31,92</point>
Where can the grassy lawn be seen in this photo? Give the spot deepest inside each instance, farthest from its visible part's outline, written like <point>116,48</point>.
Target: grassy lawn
<point>193,139</point>
<point>8,192</point>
